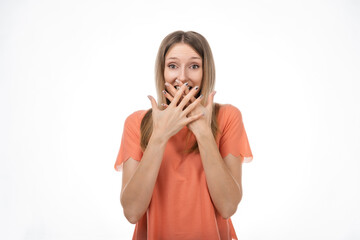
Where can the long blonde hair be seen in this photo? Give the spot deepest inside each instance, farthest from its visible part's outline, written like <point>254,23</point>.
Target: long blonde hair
<point>201,46</point>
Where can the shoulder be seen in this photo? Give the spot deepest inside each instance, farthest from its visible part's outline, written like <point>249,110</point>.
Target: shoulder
<point>135,118</point>
<point>228,111</point>
<point>137,115</point>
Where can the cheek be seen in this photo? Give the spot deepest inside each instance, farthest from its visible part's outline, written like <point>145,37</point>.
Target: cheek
<point>169,75</point>
<point>197,77</point>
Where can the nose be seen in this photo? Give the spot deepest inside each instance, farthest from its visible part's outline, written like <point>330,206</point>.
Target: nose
<point>182,75</point>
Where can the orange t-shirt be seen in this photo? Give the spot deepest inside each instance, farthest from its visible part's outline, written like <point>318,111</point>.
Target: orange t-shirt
<point>181,206</point>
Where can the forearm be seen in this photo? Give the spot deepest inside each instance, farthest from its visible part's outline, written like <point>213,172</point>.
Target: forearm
<point>137,193</point>
<point>225,192</point>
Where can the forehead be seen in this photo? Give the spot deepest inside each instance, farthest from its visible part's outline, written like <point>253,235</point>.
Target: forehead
<point>182,51</point>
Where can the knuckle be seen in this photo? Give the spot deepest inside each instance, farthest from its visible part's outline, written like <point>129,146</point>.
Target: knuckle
<point>183,88</point>
<point>172,90</point>
<point>178,94</point>
<point>187,97</point>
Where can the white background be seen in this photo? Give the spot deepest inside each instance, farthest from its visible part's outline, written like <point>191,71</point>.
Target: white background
<point>72,71</point>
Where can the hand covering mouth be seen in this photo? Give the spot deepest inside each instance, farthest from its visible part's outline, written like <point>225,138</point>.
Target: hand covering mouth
<point>178,87</point>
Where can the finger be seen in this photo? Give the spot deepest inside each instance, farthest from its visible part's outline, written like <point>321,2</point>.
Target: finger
<point>170,89</point>
<point>178,95</point>
<point>164,105</point>
<point>177,87</point>
<point>188,96</point>
<point>210,100</point>
<point>180,84</point>
<point>186,90</point>
<point>153,103</point>
<point>193,105</point>
<point>167,95</point>
<point>193,118</point>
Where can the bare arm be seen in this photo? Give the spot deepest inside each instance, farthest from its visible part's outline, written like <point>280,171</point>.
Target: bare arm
<point>139,179</point>
<point>223,176</point>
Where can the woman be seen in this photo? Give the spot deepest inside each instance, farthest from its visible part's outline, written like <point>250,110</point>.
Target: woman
<point>181,160</point>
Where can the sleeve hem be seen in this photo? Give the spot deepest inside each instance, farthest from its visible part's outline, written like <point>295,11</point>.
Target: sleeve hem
<point>248,159</point>
<point>245,157</point>
<point>119,166</point>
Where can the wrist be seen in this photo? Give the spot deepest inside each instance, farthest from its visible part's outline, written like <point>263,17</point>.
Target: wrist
<point>158,138</point>
<point>204,133</point>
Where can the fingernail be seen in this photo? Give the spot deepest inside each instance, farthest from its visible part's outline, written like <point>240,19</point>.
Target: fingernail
<point>177,87</point>
<point>149,97</point>
<point>201,96</point>
<point>164,92</point>
<point>167,84</point>
<point>196,88</point>
<point>177,81</point>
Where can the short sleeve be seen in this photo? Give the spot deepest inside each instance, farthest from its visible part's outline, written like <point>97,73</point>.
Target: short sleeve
<point>233,138</point>
<point>130,140</point>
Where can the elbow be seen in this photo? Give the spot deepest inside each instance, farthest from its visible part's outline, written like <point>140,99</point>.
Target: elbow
<point>132,216</point>
<point>133,219</point>
<point>227,213</point>
<point>230,209</point>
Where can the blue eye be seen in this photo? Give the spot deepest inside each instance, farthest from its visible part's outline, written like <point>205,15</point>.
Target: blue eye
<point>172,66</point>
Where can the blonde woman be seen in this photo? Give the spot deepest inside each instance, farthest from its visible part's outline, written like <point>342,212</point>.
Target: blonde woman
<point>182,159</point>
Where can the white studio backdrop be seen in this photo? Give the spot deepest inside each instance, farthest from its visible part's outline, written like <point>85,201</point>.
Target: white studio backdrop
<point>72,71</point>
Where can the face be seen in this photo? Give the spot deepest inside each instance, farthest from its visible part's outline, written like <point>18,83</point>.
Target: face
<point>182,62</point>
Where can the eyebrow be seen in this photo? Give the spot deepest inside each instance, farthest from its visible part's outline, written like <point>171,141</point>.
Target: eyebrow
<point>178,58</point>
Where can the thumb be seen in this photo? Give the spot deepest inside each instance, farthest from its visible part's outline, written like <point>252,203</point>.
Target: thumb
<point>153,103</point>
<point>210,100</point>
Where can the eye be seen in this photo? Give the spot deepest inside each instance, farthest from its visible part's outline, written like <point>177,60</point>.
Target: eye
<point>172,66</point>
<point>195,66</point>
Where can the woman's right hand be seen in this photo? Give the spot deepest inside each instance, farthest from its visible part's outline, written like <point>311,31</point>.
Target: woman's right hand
<point>171,120</point>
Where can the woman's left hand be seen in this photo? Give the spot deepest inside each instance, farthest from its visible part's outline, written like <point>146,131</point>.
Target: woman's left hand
<point>203,124</point>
